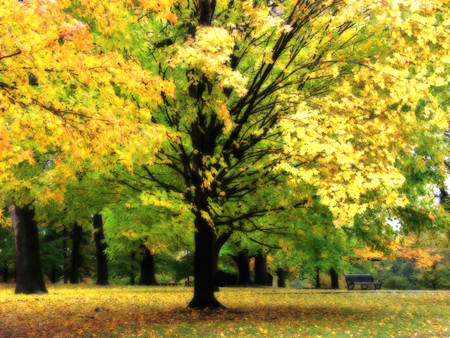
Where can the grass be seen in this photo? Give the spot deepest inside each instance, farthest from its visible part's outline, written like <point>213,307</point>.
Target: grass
<point>71,310</point>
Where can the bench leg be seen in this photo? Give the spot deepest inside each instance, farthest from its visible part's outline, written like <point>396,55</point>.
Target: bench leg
<point>350,286</point>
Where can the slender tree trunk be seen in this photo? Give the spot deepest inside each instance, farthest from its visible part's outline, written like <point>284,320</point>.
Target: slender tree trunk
<point>205,266</point>
<point>317,278</point>
<point>77,233</point>
<point>29,277</point>
<point>243,263</point>
<point>261,270</point>
<point>281,278</point>
<point>65,257</point>
<point>132,273</point>
<point>433,277</point>
<point>100,245</point>
<point>147,268</point>
<point>334,279</point>
<point>5,272</point>
<point>53,275</point>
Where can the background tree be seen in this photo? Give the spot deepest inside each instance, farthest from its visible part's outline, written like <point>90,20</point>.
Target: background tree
<point>6,251</point>
<point>51,88</point>
<point>100,244</point>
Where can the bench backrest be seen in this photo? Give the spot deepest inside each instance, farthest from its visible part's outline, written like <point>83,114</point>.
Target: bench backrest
<point>359,278</point>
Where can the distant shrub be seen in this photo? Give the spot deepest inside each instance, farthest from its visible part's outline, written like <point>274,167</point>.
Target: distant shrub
<point>436,279</point>
<point>398,283</point>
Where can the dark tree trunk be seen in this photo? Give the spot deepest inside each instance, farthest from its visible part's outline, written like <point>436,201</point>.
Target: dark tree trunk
<point>433,277</point>
<point>243,263</point>
<point>28,260</point>
<point>147,268</point>
<point>100,245</point>
<point>5,273</point>
<point>334,279</point>
<point>65,257</point>
<point>281,278</point>
<point>205,266</point>
<point>77,233</point>
<point>317,278</point>
<point>132,273</point>
<point>261,269</point>
<point>53,275</point>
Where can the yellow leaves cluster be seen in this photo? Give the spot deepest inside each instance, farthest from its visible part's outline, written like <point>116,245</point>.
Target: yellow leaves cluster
<point>346,144</point>
<point>261,19</point>
<point>422,253</point>
<point>208,53</point>
<point>344,158</point>
<point>58,88</point>
<point>161,7</point>
<point>224,115</point>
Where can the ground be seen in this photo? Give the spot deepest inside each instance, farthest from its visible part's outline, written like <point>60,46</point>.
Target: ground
<point>70,310</point>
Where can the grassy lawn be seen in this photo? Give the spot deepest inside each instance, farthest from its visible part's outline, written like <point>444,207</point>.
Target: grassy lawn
<point>161,311</point>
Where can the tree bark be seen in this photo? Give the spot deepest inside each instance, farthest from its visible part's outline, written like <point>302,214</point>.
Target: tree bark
<point>433,277</point>
<point>334,279</point>
<point>77,233</point>
<point>29,279</point>
<point>5,272</point>
<point>261,270</point>
<point>281,275</point>
<point>317,278</point>
<point>206,11</point>
<point>243,263</point>
<point>54,275</point>
<point>132,274</point>
<point>65,258</point>
<point>147,268</point>
<point>100,245</point>
<point>205,266</point>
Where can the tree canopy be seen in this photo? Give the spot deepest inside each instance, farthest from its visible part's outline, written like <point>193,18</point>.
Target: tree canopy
<point>247,114</point>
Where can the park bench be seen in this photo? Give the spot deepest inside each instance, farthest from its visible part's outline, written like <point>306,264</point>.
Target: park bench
<point>171,284</point>
<point>361,279</point>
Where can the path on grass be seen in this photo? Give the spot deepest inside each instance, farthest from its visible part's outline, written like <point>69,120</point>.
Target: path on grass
<point>352,291</point>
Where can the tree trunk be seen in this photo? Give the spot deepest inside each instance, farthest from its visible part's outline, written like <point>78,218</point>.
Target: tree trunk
<point>100,245</point>
<point>334,279</point>
<point>261,270</point>
<point>65,257</point>
<point>5,272</point>
<point>147,268</point>
<point>243,263</point>
<point>317,278</point>
<point>77,232</point>
<point>29,277</point>
<point>433,277</point>
<point>205,266</point>
<point>132,274</point>
<point>53,275</point>
<point>281,278</point>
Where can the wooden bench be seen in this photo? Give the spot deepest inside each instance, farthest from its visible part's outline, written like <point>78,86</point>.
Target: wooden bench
<point>171,284</point>
<point>361,279</point>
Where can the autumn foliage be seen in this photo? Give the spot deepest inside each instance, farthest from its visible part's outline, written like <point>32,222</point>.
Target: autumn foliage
<point>128,311</point>
<point>215,119</point>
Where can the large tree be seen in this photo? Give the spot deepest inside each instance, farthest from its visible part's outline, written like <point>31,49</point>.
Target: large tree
<point>280,103</point>
<point>60,108</point>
